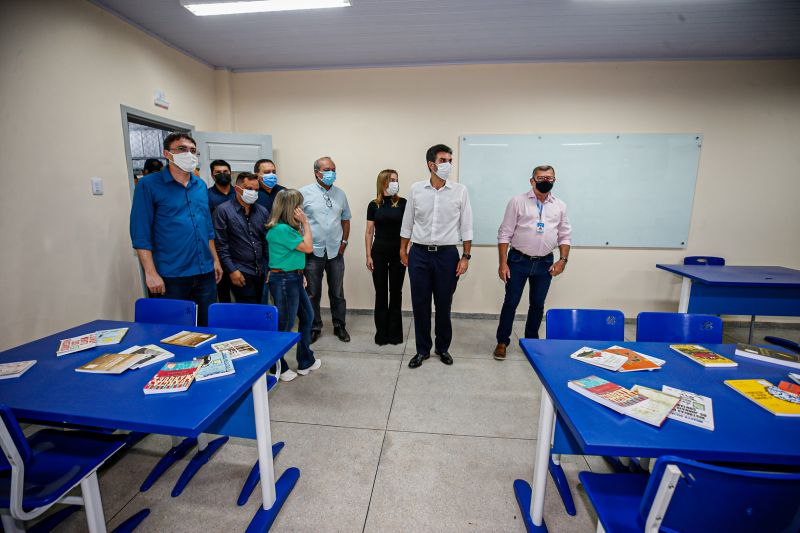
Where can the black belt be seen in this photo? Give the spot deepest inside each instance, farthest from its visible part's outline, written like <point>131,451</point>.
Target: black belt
<point>532,257</point>
<point>435,248</point>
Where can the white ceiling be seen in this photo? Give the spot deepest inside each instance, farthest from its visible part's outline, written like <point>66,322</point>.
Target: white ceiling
<point>424,32</point>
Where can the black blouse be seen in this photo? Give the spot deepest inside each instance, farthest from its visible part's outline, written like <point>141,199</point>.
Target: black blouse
<point>387,219</point>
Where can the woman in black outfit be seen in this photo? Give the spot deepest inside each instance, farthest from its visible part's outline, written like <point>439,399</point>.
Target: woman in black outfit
<point>384,217</point>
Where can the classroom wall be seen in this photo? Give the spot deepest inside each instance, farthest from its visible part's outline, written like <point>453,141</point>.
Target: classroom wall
<point>66,68</point>
<point>747,192</point>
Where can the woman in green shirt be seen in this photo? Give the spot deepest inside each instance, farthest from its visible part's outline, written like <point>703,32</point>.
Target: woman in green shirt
<point>288,247</point>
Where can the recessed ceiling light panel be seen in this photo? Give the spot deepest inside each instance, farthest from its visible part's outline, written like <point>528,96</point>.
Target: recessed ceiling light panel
<point>207,8</point>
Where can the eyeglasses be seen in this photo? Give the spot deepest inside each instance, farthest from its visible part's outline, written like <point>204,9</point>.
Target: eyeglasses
<point>183,150</point>
<point>544,178</point>
<point>328,201</point>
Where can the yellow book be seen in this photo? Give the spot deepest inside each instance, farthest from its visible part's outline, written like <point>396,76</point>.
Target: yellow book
<point>703,356</point>
<point>760,391</point>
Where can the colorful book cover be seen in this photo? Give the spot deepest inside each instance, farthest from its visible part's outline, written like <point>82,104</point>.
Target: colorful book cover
<point>657,409</point>
<point>173,377</point>
<point>766,395</point>
<point>14,370</point>
<point>694,409</point>
<point>635,360</point>
<point>609,361</point>
<point>191,339</point>
<point>236,348</point>
<point>110,336</point>
<point>624,401</point>
<point>768,355</point>
<point>214,365</point>
<point>76,344</point>
<point>703,356</point>
<point>153,354</point>
<point>110,363</point>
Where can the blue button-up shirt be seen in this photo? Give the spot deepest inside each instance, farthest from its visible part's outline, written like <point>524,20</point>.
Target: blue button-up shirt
<point>325,211</point>
<point>174,223</point>
<point>215,197</point>
<point>241,238</point>
<point>266,199</point>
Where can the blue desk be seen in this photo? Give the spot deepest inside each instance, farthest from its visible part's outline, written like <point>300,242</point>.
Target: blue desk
<point>744,432</point>
<point>738,290</point>
<point>51,391</point>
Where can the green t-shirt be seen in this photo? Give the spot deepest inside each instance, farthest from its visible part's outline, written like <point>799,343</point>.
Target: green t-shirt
<point>283,240</point>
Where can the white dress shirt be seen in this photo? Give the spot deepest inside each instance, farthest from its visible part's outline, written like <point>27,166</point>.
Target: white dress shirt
<point>437,216</point>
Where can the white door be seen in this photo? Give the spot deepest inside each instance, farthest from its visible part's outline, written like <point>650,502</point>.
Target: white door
<point>240,150</point>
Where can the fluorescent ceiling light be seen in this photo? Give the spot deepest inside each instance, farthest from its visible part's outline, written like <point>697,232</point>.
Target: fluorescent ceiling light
<point>204,9</point>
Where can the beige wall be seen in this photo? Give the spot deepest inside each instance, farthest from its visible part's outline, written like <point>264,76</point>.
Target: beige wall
<point>747,189</point>
<point>66,68</point>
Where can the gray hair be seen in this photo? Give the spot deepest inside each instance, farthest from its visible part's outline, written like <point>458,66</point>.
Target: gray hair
<point>542,168</point>
<point>317,165</point>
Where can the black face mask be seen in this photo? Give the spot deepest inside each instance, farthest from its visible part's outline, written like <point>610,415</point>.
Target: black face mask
<point>544,187</point>
<point>222,178</point>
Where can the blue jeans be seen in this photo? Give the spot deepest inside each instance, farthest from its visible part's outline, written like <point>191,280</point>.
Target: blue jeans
<point>535,271</point>
<point>200,289</point>
<point>432,276</point>
<point>292,301</point>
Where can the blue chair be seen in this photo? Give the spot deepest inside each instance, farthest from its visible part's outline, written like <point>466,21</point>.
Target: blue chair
<point>783,343</point>
<point>678,327</point>
<point>166,311</point>
<point>704,260</point>
<point>254,316</point>
<point>578,324</point>
<point>687,496</point>
<point>39,472</point>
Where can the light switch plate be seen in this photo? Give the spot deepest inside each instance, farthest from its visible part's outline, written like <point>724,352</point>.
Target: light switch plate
<point>97,186</point>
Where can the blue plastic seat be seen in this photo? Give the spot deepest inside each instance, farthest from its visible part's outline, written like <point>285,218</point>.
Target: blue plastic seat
<point>578,324</point>
<point>166,311</point>
<point>704,260</point>
<point>678,327</point>
<point>783,343</point>
<point>705,498</point>
<point>41,470</point>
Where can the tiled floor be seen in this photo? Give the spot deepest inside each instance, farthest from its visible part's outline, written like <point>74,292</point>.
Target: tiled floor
<point>381,447</point>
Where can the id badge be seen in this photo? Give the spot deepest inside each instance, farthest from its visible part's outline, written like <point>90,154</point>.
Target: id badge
<point>540,227</point>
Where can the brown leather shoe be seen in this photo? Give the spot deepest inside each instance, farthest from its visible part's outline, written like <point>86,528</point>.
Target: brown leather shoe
<point>500,352</point>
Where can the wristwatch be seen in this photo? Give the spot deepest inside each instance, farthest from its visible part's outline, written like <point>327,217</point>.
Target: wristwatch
<point>344,241</point>
<point>466,256</point>
<point>565,259</point>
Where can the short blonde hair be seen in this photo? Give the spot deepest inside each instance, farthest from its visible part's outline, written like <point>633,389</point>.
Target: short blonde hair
<point>283,208</point>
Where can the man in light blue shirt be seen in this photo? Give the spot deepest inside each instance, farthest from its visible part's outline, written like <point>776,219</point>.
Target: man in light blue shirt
<point>329,217</point>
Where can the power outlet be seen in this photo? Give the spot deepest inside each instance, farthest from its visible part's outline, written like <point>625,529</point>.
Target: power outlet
<point>97,186</point>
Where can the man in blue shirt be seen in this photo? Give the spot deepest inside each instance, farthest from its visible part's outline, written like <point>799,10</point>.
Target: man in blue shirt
<point>171,229</point>
<point>218,194</point>
<point>268,182</point>
<point>329,217</point>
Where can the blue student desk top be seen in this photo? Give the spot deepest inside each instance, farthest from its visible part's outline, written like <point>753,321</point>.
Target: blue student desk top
<point>737,276</point>
<point>743,431</point>
<point>51,391</point>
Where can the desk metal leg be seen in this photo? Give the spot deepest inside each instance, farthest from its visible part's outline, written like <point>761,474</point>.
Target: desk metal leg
<point>752,328</point>
<point>686,290</point>
<point>272,495</point>
<point>531,500</point>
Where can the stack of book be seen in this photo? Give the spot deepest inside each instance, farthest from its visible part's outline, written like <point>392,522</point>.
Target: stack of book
<point>618,359</point>
<point>179,376</point>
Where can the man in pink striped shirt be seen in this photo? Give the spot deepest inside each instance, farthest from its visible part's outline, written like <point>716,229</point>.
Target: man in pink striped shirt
<point>534,224</point>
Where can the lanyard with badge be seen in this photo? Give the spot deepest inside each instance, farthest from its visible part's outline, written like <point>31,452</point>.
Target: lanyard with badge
<point>540,224</point>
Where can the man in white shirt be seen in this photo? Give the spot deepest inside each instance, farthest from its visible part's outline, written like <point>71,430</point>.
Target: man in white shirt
<point>437,217</point>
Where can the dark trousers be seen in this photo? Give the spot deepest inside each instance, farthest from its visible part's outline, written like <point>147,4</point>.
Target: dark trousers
<point>334,271</point>
<point>200,289</point>
<point>388,276</point>
<point>292,302</point>
<point>537,273</point>
<point>251,293</point>
<point>224,289</point>
<point>265,294</point>
<point>432,274</point>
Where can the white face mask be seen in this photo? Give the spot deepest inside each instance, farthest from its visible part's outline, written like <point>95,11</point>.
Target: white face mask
<point>393,188</point>
<point>443,170</point>
<point>249,197</point>
<point>186,161</point>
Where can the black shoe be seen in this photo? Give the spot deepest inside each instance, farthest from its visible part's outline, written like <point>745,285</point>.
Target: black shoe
<point>417,360</point>
<point>341,333</point>
<point>315,334</point>
<point>445,357</point>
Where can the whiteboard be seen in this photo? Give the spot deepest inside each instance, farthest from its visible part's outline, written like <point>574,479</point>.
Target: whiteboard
<point>621,190</point>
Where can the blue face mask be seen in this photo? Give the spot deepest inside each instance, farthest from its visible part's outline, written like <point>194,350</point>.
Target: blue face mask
<point>328,177</point>
<point>269,180</point>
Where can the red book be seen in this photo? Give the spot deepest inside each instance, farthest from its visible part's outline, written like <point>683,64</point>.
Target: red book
<point>173,377</point>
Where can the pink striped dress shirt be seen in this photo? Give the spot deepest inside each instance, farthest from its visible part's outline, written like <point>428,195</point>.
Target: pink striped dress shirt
<point>519,224</point>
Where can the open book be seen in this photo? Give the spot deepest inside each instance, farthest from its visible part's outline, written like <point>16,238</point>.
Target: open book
<point>624,401</point>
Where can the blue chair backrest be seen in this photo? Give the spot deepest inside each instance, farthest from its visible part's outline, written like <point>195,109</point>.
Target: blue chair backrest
<point>243,316</point>
<point>166,311</point>
<point>704,260</point>
<point>585,324</point>
<point>715,498</point>
<point>678,327</point>
<point>17,437</point>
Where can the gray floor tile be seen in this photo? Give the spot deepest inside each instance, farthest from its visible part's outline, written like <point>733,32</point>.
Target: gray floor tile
<point>630,332</point>
<point>471,397</point>
<point>519,329</point>
<point>447,483</point>
<point>472,339</point>
<point>350,389</point>
<point>362,337</point>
